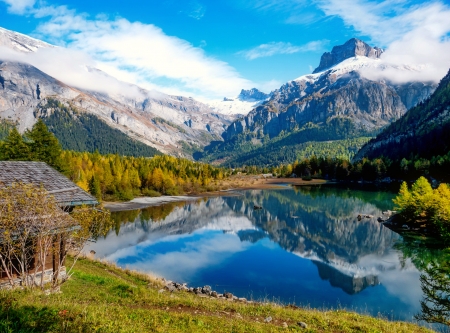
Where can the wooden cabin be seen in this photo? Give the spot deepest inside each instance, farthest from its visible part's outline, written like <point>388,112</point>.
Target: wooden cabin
<point>66,194</point>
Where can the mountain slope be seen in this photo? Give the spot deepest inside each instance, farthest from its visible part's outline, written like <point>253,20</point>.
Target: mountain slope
<point>339,92</point>
<point>133,111</point>
<point>85,132</point>
<point>424,131</point>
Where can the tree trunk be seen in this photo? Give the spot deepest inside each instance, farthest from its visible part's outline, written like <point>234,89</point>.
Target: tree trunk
<point>5,267</point>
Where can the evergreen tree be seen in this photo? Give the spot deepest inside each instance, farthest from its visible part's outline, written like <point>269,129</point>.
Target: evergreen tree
<point>14,148</point>
<point>94,188</point>
<point>44,146</point>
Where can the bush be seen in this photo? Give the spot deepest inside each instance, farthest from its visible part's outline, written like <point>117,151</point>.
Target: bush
<point>307,178</point>
<point>172,191</point>
<point>126,194</point>
<point>150,193</point>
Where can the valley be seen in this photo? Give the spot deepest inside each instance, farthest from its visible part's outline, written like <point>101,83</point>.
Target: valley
<point>248,167</point>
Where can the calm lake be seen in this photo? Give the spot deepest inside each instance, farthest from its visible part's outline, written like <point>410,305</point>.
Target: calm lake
<point>305,246</point>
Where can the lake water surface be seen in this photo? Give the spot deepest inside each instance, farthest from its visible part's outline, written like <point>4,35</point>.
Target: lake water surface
<point>305,246</point>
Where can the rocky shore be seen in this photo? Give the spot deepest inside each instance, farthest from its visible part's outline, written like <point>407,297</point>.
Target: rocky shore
<point>204,291</point>
<point>207,292</point>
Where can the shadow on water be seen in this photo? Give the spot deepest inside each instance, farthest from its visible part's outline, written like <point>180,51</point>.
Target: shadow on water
<point>304,246</point>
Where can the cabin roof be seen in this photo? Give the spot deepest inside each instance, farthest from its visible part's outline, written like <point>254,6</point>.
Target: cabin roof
<point>65,192</point>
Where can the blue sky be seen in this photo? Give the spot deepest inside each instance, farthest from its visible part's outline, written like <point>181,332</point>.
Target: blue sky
<point>212,49</point>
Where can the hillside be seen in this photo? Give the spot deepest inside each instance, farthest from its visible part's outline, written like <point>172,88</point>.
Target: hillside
<point>423,132</point>
<point>337,92</point>
<point>104,298</point>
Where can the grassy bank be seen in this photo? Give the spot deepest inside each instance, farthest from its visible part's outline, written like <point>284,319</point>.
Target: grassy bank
<point>103,298</point>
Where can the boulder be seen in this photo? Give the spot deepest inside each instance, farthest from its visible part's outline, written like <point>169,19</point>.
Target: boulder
<point>302,324</point>
<point>228,295</point>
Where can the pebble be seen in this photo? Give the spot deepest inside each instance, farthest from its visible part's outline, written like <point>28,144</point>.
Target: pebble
<point>268,319</point>
<point>285,325</point>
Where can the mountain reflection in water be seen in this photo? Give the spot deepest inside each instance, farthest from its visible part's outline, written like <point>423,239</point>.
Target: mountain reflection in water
<point>305,246</point>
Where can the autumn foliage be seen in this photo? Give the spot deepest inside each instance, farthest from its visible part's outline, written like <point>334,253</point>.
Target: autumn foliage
<point>121,177</point>
<point>423,203</point>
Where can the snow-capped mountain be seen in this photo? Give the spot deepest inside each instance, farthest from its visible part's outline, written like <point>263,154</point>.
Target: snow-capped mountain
<point>165,122</point>
<point>342,87</point>
<point>240,105</point>
<point>352,48</point>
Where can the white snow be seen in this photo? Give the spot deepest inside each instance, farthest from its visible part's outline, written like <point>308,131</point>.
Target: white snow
<point>21,42</point>
<point>360,64</point>
<point>236,107</point>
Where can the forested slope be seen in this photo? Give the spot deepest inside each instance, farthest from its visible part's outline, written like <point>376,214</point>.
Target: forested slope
<point>85,132</point>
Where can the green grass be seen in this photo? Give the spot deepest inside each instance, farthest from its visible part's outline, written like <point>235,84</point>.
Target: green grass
<point>104,298</point>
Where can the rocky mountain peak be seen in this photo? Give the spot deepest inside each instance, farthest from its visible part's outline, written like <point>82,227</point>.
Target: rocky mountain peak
<point>252,95</point>
<point>353,47</point>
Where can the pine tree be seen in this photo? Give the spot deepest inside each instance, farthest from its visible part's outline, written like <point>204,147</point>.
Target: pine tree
<point>44,146</point>
<point>14,148</point>
<point>94,188</point>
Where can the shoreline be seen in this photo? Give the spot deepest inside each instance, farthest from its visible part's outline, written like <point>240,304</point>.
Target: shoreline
<point>266,184</point>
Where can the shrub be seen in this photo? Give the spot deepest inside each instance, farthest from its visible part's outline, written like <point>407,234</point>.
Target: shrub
<point>150,193</point>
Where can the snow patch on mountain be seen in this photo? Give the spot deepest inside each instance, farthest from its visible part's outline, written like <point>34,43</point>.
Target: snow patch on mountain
<point>364,65</point>
<point>240,105</point>
<point>233,107</point>
<point>20,42</point>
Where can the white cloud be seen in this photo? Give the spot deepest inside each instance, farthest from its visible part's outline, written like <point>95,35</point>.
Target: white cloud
<point>414,35</point>
<point>74,68</point>
<point>141,54</point>
<point>273,48</point>
<point>18,6</point>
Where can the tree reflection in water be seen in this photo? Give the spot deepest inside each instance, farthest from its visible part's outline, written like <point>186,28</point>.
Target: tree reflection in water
<point>145,215</point>
<point>435,283</point>
<point>433,260</point>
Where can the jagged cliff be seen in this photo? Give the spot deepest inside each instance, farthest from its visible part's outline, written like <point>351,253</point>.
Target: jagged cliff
<point>424,131</point>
